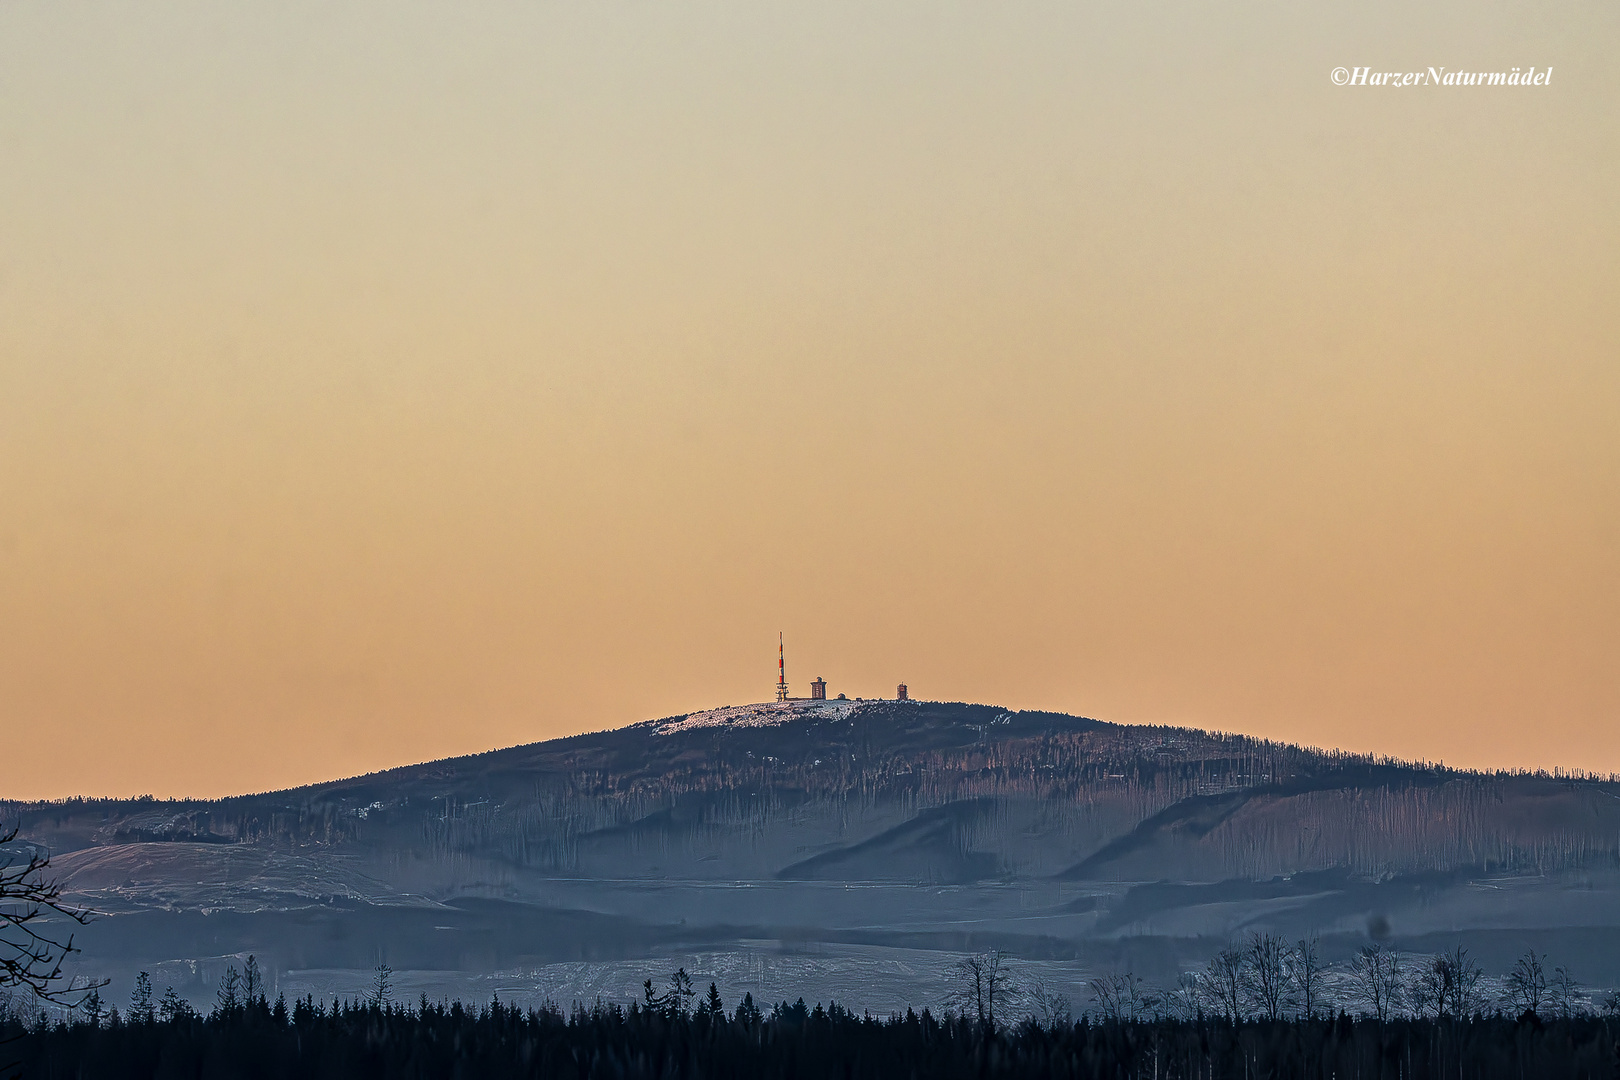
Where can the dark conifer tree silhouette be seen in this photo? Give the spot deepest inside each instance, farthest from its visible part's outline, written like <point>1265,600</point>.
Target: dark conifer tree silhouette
<point>140,1000</point>
<point>713,1008</point>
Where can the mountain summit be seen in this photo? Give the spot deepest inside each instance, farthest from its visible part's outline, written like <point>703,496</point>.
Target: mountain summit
<point>870,825</point>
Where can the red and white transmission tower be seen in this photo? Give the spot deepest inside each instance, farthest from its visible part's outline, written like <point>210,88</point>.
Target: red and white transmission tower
<point>781,669</point>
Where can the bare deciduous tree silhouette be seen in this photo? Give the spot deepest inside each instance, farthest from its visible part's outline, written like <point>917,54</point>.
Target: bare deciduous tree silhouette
<point>1527,983</point>
<point>1564,993</point>
<point>1224,984</point>
<point>1308,968</point>
<point>1269,976</point>
<point>1050,1007</point>
<point>1123,997</point>
<point>1376,975</point>
<point>1447,985</point>
<point>33,938</point>
<point>984,984</point>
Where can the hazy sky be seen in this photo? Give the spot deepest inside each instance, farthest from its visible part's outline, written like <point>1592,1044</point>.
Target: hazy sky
<point>386,381</point>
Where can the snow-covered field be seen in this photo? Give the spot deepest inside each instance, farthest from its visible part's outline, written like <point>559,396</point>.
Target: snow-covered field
<point>764,714</point>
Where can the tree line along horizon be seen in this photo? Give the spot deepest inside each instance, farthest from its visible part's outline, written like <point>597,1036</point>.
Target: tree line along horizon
<point>1263,977</point>
<point>1411,1024</point>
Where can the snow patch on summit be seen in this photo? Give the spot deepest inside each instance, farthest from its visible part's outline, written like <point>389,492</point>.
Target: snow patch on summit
<point>765,714</point>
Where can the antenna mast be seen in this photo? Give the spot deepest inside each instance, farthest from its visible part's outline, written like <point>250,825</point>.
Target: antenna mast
<point>781,669</point>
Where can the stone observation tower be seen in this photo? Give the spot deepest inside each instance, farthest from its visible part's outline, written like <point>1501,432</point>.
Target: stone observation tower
<point>818,689</point>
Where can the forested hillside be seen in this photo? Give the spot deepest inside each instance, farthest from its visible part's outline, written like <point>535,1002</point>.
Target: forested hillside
<point>969,790</point>
<point>861,844</point>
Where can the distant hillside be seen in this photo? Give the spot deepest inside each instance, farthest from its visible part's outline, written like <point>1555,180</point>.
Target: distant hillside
<point>887,791</point>
<point>847,848</point>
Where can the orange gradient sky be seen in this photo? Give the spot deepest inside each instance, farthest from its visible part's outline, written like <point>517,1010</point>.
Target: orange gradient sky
<point>385,381</point>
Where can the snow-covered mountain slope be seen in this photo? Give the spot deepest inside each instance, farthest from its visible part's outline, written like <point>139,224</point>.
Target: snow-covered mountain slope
<point>856,825</point>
